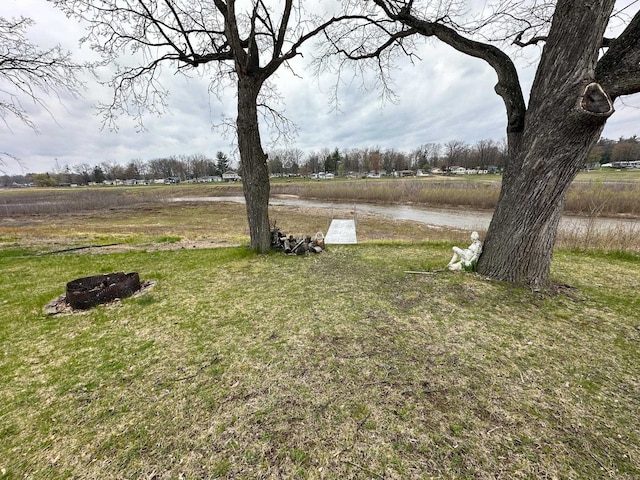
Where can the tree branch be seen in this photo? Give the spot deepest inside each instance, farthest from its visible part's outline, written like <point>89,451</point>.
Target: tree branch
<point>508,86</point>
<point>27,72</point>
<point>532,41</point>
<point>618,71</point>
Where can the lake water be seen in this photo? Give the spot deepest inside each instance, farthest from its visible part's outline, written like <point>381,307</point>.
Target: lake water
<point>463,219</point>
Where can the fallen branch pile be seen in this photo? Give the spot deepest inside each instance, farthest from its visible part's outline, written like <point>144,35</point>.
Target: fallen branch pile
<point>296,245</point>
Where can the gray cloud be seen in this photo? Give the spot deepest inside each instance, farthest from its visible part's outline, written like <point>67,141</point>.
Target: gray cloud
<point>444,96</point>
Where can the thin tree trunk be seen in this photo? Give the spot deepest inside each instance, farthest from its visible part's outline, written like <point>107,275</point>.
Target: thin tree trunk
<point>253,165</point>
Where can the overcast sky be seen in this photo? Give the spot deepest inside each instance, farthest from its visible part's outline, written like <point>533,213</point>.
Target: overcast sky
<point>445,96</point>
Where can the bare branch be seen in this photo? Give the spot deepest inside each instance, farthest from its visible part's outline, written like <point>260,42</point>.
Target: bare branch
<point>508,86</point>
<point>532,41</point>
<point>28,73</point>
<point>6,158</point>
<point>618,71</point>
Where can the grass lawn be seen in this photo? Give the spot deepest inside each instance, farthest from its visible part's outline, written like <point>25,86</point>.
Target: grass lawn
<point>335,366</point>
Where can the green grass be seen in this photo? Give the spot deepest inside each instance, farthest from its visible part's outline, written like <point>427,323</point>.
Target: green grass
<point>337,365</point>
<point>168,239</point>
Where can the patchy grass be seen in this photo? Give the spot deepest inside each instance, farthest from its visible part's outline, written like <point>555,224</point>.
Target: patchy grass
<point>150,222</point>
<point>334,366</point>
<point>168,239</point>
<point>46,201</point>
<point>338,365</point>
<point>150,226</point>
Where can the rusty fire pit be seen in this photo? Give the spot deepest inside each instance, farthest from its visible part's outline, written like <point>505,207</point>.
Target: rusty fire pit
<point>88,292</point>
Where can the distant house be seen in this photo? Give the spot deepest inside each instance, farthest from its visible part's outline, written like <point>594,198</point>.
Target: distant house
<point>625,164</point>
<point>171,180</point>
<point>322,176</point>
<point>136,181</point>
<point>210,179</point>
<point>458,170</point>
<point>116,182</point>
<point>230,176</point>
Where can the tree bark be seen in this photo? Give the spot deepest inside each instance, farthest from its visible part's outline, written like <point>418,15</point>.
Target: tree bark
<point>570,101</point>
<point>566,114</point>
<point>519,243</point>
<point>253,164</point>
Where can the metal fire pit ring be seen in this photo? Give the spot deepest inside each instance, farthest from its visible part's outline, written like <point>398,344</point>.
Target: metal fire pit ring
<point>87,292</point>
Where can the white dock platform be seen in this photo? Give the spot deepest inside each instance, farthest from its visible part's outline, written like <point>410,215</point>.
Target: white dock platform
<point>341,232</point>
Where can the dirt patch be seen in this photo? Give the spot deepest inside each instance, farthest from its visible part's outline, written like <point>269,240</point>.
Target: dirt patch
<point>156,247</point>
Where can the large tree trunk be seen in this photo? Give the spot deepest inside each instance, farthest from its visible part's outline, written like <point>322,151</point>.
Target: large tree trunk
<point>566,114</point>
<point>519,243</point>
<point>253,165</point>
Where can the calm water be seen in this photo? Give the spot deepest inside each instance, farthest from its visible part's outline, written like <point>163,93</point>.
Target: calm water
<point>463,219</point>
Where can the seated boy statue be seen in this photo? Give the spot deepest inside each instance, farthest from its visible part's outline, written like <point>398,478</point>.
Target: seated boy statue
<point>465,259</point>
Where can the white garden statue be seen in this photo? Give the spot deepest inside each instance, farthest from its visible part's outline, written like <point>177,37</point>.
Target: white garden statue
<point>465,259</point>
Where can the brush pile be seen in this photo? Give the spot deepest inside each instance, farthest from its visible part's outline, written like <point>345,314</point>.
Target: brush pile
<point>296,245</point>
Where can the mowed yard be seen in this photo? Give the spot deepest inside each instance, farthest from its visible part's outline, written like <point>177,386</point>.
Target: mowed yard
<point>337,365</point>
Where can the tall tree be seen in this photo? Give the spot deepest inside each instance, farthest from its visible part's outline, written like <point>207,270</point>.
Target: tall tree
<point>549,138</point>
<point>454,153</point>
<point>83,172</point>
<point>29,73</point>
<point>246,42</point>
<point>222,163</point>
<point>332,161</point>
<point>97,175</point>
<point>486,153</point>
<point>314,163</point>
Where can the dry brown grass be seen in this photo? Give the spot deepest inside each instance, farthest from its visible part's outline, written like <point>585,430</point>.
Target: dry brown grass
<point>474,194</point>
<point>183,225</point>
<point>589,195</point>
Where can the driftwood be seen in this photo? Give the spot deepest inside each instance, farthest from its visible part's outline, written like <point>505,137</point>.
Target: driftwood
<point>296,245</point>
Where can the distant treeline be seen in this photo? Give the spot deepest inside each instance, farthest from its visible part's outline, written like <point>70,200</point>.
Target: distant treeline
<point>484,154</point>
<point>608,151</point>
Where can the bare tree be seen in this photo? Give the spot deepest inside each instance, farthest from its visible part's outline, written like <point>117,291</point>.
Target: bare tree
<point>626,150</point>
<point>242,43</point>
<point>29,73</point>
<point>485,151</point>
<point>83,172</point>
<point>579,75</point>
<point>454,153</point>
<point>314,162</point>
<point>425,156</point>
<point>200,166</point>
<point>431,153</point>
